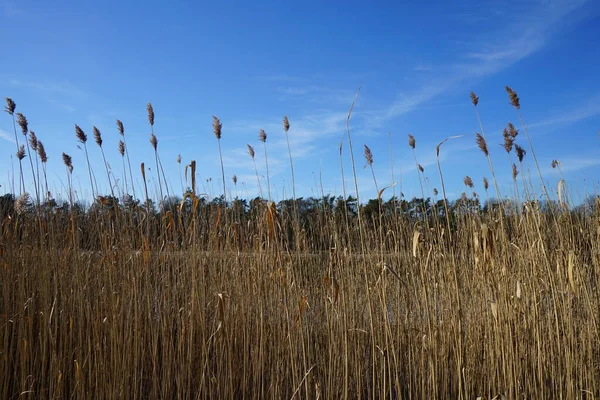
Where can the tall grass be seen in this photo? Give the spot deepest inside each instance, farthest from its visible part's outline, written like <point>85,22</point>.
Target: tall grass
<point>218,299</point>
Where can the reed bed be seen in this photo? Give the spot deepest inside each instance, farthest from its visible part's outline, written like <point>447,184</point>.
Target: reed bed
<point>191,298</point>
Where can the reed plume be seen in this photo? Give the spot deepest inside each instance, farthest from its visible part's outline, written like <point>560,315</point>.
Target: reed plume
<point>262,136</point>
<point>217,130</point>
<point>44,159</point>
<point>82,138</point>
<point>98,139</point>
<point>286,128</point>
<point>482,143</point>
<point>121,130</point>
<point>468,181</point>
<point>10,106</point>
<point>369,159</point>
<point>150,114</point>
<point>516,103</point>
<point>21,152</point>
<point>413,143</point>
<point>22,203</point>
<point>251,153</point>
<point>154,143</point>
<point>513,97</point>
<point>508,140</point>
<point>24,124</point>
<point>69,164</point>
<point>33,143</point>
<point>520,152</point>
<point>10,109</point>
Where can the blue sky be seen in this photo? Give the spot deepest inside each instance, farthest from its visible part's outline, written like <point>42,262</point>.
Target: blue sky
<point>90,63</point>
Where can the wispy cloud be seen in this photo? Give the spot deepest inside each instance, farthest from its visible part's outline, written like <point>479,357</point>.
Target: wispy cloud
<point>6,136</point>
<point>315,94</point>
<point>571,164</point>
<point>422,68</point>
<point>65,88</point>
<point>589,108</point>
<point>306,131</point>
<point>489,54</point>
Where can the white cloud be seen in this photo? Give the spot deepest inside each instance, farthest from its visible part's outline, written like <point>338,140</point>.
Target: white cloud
<point>491,54</point>
<point>6,136</point>
<point>589,108</point>
<point>65,88</point>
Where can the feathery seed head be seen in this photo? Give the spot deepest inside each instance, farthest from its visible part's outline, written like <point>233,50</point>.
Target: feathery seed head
<point>262,135</point>
<point>21,203</point>
<point>153,141</point>
<point>97,136</point>
<point>555,163</point>
<point>468,181</point>
<point>480,140</point>
<point>122,148</point>
<point>150,114</point>
<point>33,141</point>
<point>486,184</point>
<point>21,152</point>
<point>234,179</point>
<point>42,152</point>
<point>22,121</point>
<point>368,155</point>
<point>81,136</point>
<point>508,140</point>
<point>10,106</point>
<point>251,151</point>
<point>515,171</point>
<point>411,141</point>
<point>512,131</point>
<point>217,126</point>
<point>286,123</point>
<point>178,158</point>
<point>120,127</point>
<point>68,161</point>
<point>435,192</point>
<point>514,98</point>
<point>421,168</point>
<point>474,99</point>
<point>520,152</point>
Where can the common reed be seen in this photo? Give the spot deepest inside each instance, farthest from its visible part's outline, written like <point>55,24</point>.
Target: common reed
<point>82,138</point>
<point>252,154</point>
<point>362,299</point>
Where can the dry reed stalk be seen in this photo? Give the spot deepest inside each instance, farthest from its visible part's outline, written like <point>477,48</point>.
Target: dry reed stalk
<point>516,103</point>
<point>24,124</point>
<point>217,130</point>
<point>67,160</point>
<point>121,130</point>
<point>98,140</point>
<point>43,158</point>
<point>82,138</point>
<point>286,128</point>
<point>251,153</point>
<point>369,160</point>
<point>482,143</point>
<point>262,136</point>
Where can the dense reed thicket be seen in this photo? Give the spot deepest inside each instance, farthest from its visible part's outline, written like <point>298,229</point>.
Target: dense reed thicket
<point>308,298</point>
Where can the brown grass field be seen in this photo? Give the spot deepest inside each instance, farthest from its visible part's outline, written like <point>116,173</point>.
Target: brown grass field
<point>228,299</point>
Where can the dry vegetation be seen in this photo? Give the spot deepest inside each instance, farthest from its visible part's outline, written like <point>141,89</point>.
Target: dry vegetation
<point>392,299</point>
